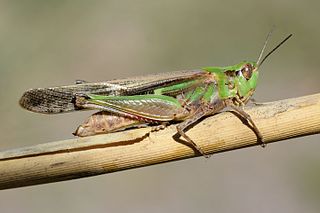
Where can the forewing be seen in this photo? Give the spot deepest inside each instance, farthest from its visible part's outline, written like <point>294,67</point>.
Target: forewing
<point>61,99</point>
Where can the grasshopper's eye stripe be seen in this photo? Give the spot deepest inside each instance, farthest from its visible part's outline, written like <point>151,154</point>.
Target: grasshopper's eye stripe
<point>239,73</point>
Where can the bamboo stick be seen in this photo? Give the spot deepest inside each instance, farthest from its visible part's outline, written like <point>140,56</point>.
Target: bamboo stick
<point>83,157</point>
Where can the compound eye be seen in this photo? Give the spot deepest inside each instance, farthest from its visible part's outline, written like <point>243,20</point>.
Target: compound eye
<point>247,71</point>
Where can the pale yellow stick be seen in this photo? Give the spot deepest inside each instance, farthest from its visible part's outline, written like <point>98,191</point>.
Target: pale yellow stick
<point>82,157</point>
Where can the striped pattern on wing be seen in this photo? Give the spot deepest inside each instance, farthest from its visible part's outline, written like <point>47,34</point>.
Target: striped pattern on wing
<point>61,99</point>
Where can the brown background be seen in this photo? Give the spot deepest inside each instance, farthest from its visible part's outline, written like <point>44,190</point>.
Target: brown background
<point>49,43</point>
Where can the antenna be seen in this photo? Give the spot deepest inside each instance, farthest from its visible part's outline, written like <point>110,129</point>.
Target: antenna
<point>264,45</point>
<point>274,49</point>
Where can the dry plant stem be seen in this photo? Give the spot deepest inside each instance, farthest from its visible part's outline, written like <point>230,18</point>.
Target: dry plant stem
<point>82,157</point>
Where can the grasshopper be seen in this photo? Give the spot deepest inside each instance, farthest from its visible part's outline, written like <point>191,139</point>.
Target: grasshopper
<point>182,97</point>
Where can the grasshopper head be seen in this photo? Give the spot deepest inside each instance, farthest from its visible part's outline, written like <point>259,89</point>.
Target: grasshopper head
<point>246,78</point>
<point>247,72</point>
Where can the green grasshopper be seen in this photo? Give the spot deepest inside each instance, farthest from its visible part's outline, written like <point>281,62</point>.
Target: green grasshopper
<point>182,97</point>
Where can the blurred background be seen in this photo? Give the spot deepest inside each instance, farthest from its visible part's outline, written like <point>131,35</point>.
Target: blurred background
<point>51,43</point>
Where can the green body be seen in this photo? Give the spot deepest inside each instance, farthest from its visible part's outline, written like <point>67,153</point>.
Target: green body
<point>168,103</point>
<point>207,92</point>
